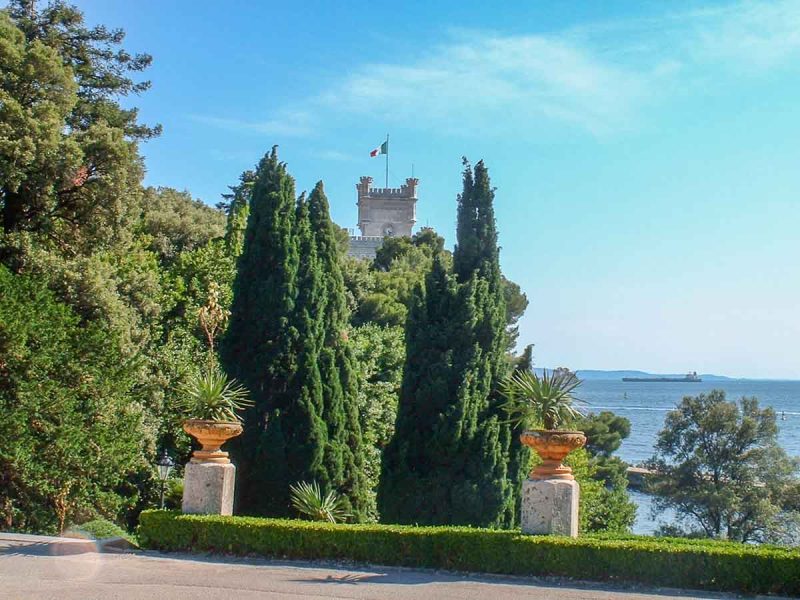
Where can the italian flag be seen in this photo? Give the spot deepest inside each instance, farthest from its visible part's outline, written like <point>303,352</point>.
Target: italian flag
<point>382,149</point>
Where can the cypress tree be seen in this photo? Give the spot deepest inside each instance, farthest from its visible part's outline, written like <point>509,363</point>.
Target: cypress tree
<point>344,453</point>
<point>260,347</point>
<point>448,462</point>
<point>284,343</point>
<point>417,457</point>
<point>477,257</point>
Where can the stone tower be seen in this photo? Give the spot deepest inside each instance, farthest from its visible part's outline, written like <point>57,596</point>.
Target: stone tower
<point>386,212</point>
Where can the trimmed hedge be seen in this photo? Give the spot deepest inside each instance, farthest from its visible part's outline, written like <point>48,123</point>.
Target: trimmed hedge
<point>681,563</point>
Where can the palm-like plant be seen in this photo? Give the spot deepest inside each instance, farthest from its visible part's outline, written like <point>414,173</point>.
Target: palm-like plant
<point>210,395</point>
<point>308,500</point>
<point>547,399</point>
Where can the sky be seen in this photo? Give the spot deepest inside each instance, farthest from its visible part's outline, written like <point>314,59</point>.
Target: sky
<point>646,155</point>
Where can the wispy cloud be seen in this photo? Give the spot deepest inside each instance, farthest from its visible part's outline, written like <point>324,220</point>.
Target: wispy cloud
<point>284,123</point>
<point>599,77</point>
<point>475,82</point>
<point>750,35</point>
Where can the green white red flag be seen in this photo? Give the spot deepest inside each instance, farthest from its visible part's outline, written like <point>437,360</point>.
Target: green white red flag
<point>382,149</point>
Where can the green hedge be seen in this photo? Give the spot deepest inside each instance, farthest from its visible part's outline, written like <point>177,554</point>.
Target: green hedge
<point>656,561</point>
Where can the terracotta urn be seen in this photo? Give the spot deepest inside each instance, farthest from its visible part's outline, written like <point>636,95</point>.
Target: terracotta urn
<point>211,435</point>
<point>553,446</point>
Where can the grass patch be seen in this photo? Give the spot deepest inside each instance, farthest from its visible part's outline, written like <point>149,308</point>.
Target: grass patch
<point>100,529</point>
<point>684,563</point>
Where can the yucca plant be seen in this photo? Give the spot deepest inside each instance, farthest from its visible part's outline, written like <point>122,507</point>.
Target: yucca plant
<point>209,394</point>
<point>548,399</point>
<point>307,499</point>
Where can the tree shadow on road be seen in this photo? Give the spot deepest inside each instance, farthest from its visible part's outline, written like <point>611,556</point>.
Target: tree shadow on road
<point>71,548</point>
<point>349,574</point>
<point>395,576</point>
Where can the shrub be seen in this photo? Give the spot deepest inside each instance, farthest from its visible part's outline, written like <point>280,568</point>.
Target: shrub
<point>681,563</point>
<point>99,529</point>
<point>307,499</point>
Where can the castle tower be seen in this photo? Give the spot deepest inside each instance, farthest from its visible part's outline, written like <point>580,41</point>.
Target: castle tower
<point>386,212</point>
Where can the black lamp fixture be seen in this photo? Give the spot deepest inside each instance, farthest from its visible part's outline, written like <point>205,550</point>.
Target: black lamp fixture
<point>165,464</point>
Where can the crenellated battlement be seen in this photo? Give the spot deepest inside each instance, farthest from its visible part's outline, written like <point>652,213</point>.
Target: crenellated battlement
<point>406,191</point>
<point>386,212</point>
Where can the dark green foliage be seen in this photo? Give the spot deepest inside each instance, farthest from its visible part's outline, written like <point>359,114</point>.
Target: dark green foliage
<point>448,461</point>
<point>337,366</point>
<point>719,466</point>
<point>260,349</point>
<point>131,265</point>
<point>380,292</point>
<point>70,437</point>
<point>476,235</point>
<point>516,303</point>
<point>287,344</point>
<point>101,68</point>
<point>426,241</point>
<point>697,564</point>
<point>524,362</point>
<point>604,502</point>
<point>74,176</point>
<point>392,248</point>
<point>604,432</point>
<point>426,445</point>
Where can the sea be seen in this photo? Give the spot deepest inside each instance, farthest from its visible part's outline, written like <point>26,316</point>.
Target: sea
<point>647,404</point>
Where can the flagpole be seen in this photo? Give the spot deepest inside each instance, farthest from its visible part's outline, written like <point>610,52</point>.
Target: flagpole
<point>387,160</point>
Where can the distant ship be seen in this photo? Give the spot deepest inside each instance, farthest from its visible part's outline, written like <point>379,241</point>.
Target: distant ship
<point>688,378</point>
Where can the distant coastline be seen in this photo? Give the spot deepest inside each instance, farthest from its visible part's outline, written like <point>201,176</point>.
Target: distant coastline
<point>600,375</point>
<point>596,374</point>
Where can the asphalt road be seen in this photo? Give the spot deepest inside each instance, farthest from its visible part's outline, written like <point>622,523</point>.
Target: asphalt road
<point>43,568</point>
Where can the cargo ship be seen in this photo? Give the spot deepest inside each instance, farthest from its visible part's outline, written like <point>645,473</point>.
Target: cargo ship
<point>688,378</point>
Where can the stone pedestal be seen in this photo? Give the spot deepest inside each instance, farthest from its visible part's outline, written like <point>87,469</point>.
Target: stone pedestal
<point>208,488</point>
<point>550,506</point>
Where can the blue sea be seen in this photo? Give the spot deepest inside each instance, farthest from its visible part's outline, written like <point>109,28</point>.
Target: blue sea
<point>647,404</point>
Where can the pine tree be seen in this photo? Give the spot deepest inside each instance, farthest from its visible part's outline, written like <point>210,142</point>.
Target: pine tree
<point>449,460</point>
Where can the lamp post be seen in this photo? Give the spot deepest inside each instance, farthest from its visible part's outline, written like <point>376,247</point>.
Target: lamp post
<point>165,464</point>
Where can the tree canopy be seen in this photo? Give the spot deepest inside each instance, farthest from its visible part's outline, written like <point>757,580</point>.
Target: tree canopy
<point>719,466</point>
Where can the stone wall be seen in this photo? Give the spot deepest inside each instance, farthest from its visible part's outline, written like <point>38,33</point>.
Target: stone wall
<point>364,246</point>
<point>386,212</point>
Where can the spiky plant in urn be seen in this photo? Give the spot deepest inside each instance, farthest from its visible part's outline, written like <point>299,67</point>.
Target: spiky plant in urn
<point>211,401</point>
<point>547,400</point>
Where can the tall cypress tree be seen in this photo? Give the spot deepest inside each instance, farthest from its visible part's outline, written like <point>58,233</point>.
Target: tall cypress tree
<point>424,455</point>
<point>448,462</point>
<point>344,453</point>
<point>477,257</point>
<point>260,347</point>
<point>281,344</point>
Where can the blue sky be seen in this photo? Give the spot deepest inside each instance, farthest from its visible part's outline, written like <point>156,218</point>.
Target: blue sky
<point>646,154</point>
